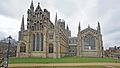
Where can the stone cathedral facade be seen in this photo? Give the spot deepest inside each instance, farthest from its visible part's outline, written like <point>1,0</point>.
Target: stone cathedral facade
<point>44,39</point>
<point>90,42</point>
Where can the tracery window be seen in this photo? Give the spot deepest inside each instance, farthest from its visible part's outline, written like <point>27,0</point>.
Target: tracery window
<point>89,42</point>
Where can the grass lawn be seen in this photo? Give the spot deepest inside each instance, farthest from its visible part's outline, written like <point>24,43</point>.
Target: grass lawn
<point>67,67</point>
<point>14,60</point>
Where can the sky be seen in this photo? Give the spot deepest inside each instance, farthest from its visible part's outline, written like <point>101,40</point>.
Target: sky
<point>87,12</point>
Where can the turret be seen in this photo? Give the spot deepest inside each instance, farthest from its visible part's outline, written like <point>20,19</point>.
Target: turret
<point>38,7</point>
<point>61,23</point>
<point>47,13</point>
<point>88,26</point>
<point>32,6</point>
<point>68,31</point>
<point>30,12</point>
<point>67,27</point>
<point>22,24</point>
<point>56,19</point>
<point>98,27</point>
<point>79,28</point>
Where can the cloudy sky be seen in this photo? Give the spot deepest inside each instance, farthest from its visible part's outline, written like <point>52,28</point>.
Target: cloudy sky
<point>107,12</point>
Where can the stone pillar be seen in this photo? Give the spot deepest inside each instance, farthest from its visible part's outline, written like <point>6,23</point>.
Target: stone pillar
<point>18,50</point>
<point>35,41</point>
<point>45,43</point>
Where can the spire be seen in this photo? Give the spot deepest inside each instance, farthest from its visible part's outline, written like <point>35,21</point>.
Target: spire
<point>67,27</point>
<point>22,24</point>
<point>98,27</point>
<point>38,7</point>
<point>56,19</point>
<point>32,6</point>
<point>79,28</point>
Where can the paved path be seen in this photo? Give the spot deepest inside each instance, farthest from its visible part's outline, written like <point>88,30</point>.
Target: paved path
<point>64,64</point>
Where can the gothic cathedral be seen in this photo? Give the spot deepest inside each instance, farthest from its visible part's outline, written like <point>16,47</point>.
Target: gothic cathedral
<point>44,39</point>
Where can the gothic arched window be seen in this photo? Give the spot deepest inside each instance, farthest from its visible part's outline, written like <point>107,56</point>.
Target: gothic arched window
<point>51,48</point>
<point>42,39</point>
<point>89,42</point>
<point>33,42</point>
<point>38,42</point>
<point>22,48</point>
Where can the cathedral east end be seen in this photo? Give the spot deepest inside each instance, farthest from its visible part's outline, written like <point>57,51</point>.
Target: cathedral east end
<point>44,39</point>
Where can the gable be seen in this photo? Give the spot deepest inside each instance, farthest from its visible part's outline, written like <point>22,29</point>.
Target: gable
<point>89,30</point>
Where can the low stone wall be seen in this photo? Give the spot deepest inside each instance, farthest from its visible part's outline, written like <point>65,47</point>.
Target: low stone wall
<point>42,55</point>
<point>90,54</point>
<point>22,55</point>
<point>52,55</point>
<point>62,55</point>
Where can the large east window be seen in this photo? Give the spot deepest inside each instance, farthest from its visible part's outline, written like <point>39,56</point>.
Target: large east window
<point>89,42</point>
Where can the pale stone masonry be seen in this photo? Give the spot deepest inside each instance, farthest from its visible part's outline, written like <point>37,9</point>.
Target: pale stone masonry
<point>44,39</point>
<point>90,42</point>
<point>73,46</point>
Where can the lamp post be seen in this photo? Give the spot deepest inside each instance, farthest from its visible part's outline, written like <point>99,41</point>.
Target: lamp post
<point>102,52</point>
<point>9,39</point>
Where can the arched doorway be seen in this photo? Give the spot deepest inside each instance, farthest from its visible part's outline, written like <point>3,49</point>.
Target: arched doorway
<point>22,47</point>
<point>51,48</point>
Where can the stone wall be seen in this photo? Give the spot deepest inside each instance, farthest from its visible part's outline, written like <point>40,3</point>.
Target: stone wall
<point>22,55</point>
<point>90,54</point>
<point>42,55</point>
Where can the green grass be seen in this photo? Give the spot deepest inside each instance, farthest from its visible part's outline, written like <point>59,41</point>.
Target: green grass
<point>66,67</point>
<point>117,67</point>
<point>69,67</point>
<point>14,60</point>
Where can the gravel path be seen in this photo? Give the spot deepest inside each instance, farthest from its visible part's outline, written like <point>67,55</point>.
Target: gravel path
<point>64,64</point>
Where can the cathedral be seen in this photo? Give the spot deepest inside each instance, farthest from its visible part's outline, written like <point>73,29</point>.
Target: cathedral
<point>44,39</point>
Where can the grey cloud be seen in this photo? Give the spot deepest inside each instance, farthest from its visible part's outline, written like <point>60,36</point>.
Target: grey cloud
<point>86,11</point>
<point>68,7</point>
<point>107,5</point>
<point>113,23</point>
<point>13,8</point>
<point>2,35</point>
